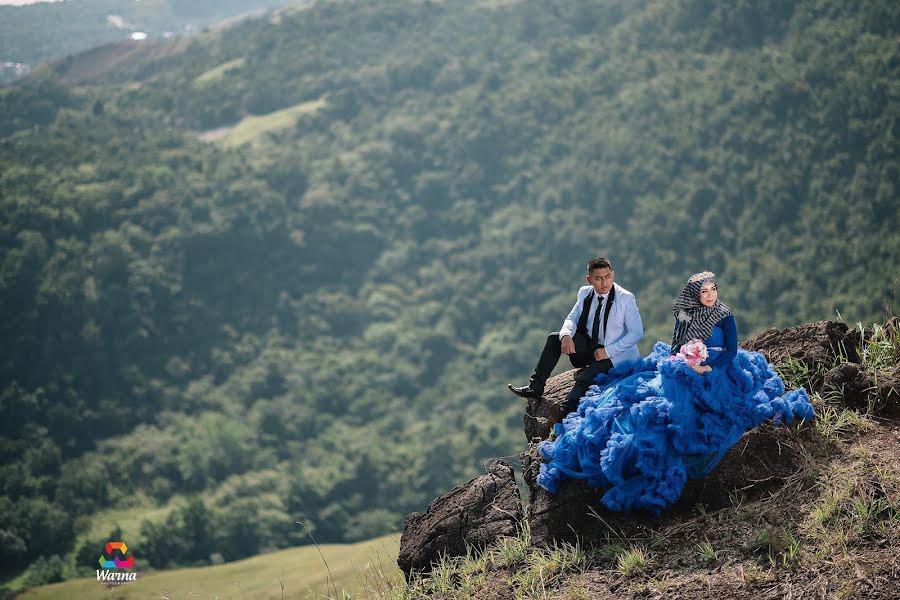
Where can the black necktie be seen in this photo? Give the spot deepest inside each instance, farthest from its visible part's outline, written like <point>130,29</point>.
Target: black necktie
<point>595,332</point>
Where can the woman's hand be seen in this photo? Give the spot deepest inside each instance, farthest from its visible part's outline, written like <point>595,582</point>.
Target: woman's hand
<point>701,369</point>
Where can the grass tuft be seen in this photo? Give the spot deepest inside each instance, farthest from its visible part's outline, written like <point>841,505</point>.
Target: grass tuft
<point>632,562</point>
<point>707,552</point>
<point>798,373</point>
<point>881,351</point>
<point>509,551</point>
<point>753,574</point>
<point>781,546</point>
<point>546,567</point>
<point>836,424</point>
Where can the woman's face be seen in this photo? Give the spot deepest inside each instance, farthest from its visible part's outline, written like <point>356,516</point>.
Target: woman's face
<point>709,293</point>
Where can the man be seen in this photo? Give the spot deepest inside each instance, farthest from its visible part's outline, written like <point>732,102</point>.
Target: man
<point>601,331</point>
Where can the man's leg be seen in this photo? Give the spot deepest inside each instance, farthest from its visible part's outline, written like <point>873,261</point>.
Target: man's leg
<point>583,381</point>
<point>584,354</point>
<point>545,365</point>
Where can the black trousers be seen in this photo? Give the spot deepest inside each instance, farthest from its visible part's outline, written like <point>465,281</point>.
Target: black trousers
<point>582,358</point>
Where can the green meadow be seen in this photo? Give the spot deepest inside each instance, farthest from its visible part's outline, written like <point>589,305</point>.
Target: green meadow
<point>217,73</point>
<point>253,128</point>
<point>129,519</point>
<point>356,568</point>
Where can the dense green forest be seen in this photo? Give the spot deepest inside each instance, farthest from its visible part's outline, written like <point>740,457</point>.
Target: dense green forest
<point>284,274</point>
<point>35,33</point>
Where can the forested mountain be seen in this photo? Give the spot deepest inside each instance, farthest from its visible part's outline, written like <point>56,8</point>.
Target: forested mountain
<point>43,31</point>
<point>284,273</point>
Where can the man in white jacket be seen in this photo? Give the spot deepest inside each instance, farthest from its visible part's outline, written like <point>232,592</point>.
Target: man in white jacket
<point>601,331</point>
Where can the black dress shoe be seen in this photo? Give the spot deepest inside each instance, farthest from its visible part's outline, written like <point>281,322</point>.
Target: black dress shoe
<point>525,391</point>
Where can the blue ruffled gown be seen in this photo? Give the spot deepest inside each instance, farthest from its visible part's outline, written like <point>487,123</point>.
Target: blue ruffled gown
<point>645,427</point>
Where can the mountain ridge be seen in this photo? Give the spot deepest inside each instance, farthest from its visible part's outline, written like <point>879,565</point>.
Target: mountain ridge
<point>48,31</point>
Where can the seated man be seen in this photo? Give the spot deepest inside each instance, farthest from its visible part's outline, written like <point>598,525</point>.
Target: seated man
<point>611,338</point>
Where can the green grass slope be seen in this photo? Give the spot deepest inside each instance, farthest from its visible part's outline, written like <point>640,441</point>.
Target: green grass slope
<point>355,568</point>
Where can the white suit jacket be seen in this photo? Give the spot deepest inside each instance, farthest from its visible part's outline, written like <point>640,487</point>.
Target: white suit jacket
<point>624,330</point>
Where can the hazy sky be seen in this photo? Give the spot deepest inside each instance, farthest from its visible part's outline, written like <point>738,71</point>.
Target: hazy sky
<point>21,2</point>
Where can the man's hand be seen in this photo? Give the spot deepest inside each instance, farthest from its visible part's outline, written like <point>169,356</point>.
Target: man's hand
<point>568,345</point>
<point>600,354</point>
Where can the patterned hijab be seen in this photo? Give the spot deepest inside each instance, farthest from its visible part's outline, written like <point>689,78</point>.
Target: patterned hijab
<point>694,320</point>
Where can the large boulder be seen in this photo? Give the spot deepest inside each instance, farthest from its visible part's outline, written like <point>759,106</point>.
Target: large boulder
<point>537,417</point>
<point>888,391</point>
<point>859,390</point>
<point>822,343</point>
<point>852,382</point>
<point>476,513</point>
<point>574,513</point>
<point>759,463</point>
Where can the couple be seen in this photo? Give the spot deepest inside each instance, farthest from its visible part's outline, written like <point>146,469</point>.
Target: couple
<point>643,426</point>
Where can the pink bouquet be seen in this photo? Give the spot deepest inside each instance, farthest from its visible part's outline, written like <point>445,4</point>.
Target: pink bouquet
<point>694,352</point>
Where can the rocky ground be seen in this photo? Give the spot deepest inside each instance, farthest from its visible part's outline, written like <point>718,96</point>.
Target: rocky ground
<point>810,511</point>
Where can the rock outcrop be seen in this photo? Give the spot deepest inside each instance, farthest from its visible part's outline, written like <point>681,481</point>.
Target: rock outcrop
<point>829,347</point>
<point>475,513</point>
<point>851,381</point>
<point>818,343</point>
<point>858,389</point>
<point>757,464</point>
<point>537,417</point>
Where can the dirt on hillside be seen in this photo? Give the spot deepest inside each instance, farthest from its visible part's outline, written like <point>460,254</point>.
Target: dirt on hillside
<point>108,60</point>
<point>831,530</point>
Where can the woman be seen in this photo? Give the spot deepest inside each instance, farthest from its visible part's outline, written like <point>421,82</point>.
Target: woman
<point>700,315</point>
<point>646,427</point>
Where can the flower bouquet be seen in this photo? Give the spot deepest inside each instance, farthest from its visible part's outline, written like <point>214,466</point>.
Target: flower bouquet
<point>694,352</point>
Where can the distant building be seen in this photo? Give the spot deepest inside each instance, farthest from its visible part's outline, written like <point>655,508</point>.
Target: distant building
<point>13,70</point>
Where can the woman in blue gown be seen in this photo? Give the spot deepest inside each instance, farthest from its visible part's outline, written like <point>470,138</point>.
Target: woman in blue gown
<point>645,427</point>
